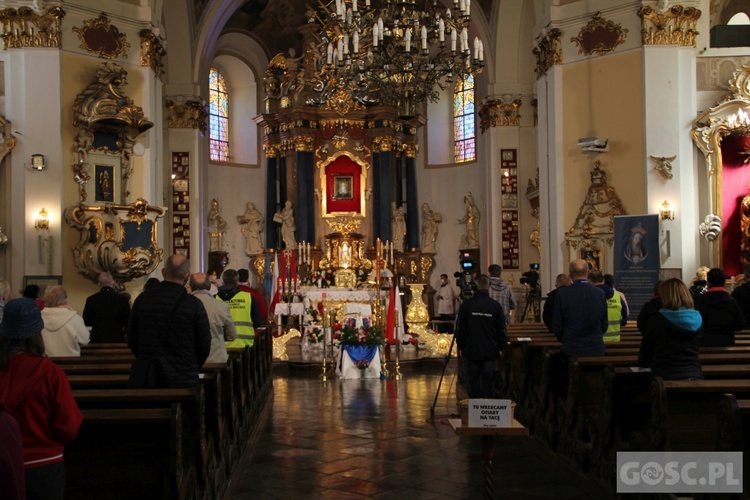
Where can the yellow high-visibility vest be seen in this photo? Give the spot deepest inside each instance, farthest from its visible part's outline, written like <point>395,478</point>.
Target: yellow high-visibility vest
<point>239,307</point>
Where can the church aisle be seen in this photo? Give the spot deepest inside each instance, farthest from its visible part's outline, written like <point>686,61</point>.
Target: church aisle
<point>372,439</point>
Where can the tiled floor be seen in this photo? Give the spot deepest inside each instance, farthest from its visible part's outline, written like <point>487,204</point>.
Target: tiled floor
<point>358,439</point>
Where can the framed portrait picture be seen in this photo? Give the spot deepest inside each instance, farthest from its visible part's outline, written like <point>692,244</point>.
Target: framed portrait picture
<point>343,187</point>
<point>43,282</point>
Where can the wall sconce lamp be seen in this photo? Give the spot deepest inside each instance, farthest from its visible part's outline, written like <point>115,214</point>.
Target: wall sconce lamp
<point>42,223</point>
<point>37,162</point>
<point>666,212</point>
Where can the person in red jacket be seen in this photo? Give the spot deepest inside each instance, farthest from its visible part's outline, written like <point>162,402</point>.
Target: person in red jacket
<point>36,392</point>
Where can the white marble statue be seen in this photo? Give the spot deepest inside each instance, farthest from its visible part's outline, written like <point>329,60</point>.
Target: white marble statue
<point>288,228</point>
<point>471,219</point>
<point>217,226</point>
<point>430,221</point>
<point>252,226</point>
<point>398,226</point>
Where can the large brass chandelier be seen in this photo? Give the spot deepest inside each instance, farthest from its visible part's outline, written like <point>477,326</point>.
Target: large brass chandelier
<point>395,52</point>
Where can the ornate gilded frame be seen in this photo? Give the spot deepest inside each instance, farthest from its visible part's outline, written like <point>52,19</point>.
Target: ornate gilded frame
<point>365,167</point>
<point>99,36</point>
<point>729,116</point>
<point>600,36</point>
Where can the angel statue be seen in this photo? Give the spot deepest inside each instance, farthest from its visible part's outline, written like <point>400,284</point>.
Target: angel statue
<point>217,226</point>
<point>398,218</point>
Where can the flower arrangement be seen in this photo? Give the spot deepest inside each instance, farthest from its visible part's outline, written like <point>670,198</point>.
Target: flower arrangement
<point>363,336</point>
<point>315,336</point>
<point>312,315</point>
<point>363,364</point>
<point>410,341</point>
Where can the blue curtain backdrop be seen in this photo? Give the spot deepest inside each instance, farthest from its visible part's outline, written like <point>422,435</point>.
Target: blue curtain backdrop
<point>305,209</point>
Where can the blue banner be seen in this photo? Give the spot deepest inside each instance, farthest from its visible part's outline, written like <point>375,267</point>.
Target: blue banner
<point>636,259</point>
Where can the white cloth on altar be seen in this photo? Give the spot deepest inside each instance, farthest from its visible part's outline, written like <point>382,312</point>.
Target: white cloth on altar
<point>316,294</point>
<point>346,369</point>
<point>282,309</point>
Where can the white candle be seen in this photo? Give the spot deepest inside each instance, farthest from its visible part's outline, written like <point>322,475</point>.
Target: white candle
<point>468,8</point>
<point>380,28</point>
<point>346,44</point>
<point>476,48</point>
<point>354,5</point>
<point>424,37</point>
<point>454,36</point>
<point>356,42</point>
<point>329,60</point>
<point>375,35</point>
<point>464,40</point>
<point>441,30</point>
<point>367,3</point>
<point>391,253</point>
<point>407,39</point>
<point>461,6</point>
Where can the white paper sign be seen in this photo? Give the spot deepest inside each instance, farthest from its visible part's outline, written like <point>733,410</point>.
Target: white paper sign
<point>524,339</point>
<point>489,413</point>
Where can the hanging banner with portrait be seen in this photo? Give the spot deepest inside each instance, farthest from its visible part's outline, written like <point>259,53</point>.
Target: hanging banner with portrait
<point>636,259</point>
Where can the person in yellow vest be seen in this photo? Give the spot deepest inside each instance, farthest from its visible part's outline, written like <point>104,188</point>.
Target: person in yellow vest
<point>617,316</point>
<point>245,312</point>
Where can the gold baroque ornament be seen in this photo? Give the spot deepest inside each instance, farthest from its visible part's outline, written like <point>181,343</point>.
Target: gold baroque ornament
<point>600,36</point>
<point>410,150</point>
<point>152,52</point>
<point>344,225</point>
<point>187,112</point>
<point>547,52</point>
<point>499,113</point>
<point>675,26</point>
<point>303,143</point>
<point>341,102</point>
<point>596,217</point>
<point>99,36</point>
<point>118,239</point>
<point>26,27</point>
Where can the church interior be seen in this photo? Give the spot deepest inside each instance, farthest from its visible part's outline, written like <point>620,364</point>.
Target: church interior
<point>335,144</point>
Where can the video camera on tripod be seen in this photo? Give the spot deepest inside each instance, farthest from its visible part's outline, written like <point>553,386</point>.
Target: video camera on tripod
<point>531,278</point>
<point>465,277</point>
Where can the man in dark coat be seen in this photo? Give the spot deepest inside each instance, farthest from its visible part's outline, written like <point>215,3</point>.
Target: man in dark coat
<point>579,317</point>
<point>107,312</point>
<point>721,313</point>
<point>187,340</point>
<point>561,280</point>
<point>480,336</point>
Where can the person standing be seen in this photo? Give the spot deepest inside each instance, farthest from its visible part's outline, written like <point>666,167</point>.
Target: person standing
<point>616,308</point>
<point>579,317</point>
<point>64,330</point>
<point>672,337</point>
<point>107,312</point>
<point>446,303</point>
<point>36,392</point>
<point>501,292</point>
<point>480,337</point>
<point>720,312</point>
<point>742,295</point>
<point>5,295</point>
<point>561,280</point>
<point>242,307</point>
<point>244,285</point>
<point>219,319</point>
<point>168,310</point>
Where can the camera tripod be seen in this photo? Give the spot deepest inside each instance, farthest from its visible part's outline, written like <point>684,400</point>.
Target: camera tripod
<point>531,311</point>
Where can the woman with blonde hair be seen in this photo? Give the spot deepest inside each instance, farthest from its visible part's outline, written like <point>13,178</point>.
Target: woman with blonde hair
<point>5,295</point>
<point>64,330</point>
<point>672,337</point>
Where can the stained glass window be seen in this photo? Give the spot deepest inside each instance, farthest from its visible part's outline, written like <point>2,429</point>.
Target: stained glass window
<point>463,120</point>
<point>218,116</point>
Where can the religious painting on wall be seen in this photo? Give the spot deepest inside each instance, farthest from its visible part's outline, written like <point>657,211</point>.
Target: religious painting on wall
<point>105,183</point>
<point>593,257</point>
<point>343,187</point>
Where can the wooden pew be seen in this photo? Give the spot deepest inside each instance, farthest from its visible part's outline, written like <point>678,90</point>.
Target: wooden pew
<point>129,453</point>
<point>684,414</point>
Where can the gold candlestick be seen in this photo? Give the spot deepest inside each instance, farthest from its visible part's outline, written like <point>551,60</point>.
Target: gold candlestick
<point>397,374</point>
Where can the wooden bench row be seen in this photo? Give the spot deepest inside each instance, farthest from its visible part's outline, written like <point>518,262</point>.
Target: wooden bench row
<point>182,443</point>
<point>593,407</point>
